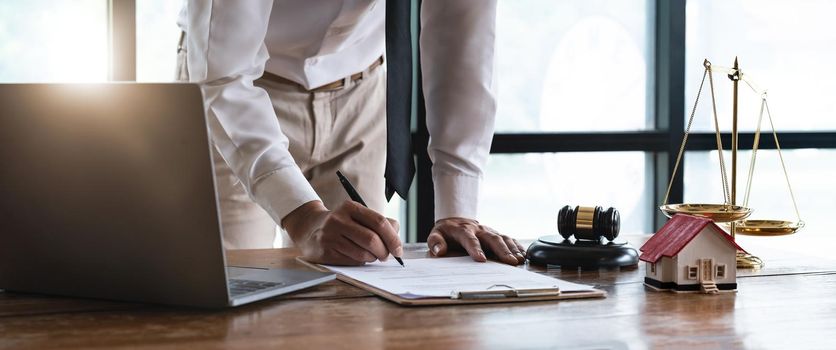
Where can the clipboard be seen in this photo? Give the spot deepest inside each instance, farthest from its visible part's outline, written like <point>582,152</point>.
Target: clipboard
<point>506,295</point>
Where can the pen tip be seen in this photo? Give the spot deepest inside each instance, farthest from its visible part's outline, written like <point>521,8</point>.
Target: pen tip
<point>400,261</point>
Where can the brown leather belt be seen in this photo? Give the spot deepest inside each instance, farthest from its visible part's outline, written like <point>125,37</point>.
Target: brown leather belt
<point>332,86</point>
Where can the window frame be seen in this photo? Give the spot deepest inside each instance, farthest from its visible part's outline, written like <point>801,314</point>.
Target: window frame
<point>121,34</point>
<point>692,272</point>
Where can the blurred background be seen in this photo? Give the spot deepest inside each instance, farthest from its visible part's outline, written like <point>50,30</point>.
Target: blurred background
<point>593,98</point>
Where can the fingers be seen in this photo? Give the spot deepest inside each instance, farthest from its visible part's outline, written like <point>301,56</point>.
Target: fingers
<point>352,238</point>
<point>341,225</point>
<point>436,243</point>
<point>473,237</point>
<point>338,258</point>
<point>467,239</point>
<point>366,239</point>
<point>379,224</point>
<point>520,247</point>
<point>395,224</point>
<point>335,250</point>
<point>496,244</point>
<point>515,247</point>
<point>516,250</point>
<point>353,251</point>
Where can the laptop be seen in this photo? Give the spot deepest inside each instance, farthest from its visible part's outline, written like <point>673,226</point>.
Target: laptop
<point>108,191</point>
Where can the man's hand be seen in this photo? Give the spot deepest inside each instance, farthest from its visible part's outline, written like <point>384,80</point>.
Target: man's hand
<point>350,235</point>
<point>474,238</point>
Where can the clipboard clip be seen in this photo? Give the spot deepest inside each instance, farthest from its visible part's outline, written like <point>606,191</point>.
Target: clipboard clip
<point>510,292</point>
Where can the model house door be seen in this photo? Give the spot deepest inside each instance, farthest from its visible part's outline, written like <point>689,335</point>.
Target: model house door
<point>706,270</point>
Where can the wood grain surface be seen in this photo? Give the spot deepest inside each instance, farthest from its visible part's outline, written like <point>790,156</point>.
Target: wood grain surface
<point>789,304</point>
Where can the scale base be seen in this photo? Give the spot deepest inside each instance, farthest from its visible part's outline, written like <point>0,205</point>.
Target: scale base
<point>555,250</point>
<point>748,261</point>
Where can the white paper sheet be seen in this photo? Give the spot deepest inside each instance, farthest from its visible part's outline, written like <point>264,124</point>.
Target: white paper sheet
<point>443,277</point>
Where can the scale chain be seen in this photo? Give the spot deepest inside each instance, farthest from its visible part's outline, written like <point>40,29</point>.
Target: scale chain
<point>755,144</point>
<point>685,137</point>
<point>723,174</point>
<point>783,164</point>
<point>765,107</point>
<point>706,73</point>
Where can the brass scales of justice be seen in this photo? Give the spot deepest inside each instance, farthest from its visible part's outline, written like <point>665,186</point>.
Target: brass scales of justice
<point>733,215</point>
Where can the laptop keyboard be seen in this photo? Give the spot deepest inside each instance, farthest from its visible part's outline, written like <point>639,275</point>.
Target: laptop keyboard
<point>241,287</point>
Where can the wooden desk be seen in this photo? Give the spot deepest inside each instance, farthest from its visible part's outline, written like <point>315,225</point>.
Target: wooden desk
<point>789,304</point>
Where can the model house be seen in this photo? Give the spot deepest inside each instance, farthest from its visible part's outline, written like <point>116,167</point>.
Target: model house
<point>690,254</point>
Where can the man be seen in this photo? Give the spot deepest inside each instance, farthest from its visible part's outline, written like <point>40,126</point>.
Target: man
<point>295,90</point>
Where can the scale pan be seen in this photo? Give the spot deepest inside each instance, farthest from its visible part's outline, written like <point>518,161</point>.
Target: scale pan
<point>716,212</point>
<point>767,227</point>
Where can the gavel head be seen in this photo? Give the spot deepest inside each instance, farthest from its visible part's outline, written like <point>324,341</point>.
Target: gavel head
<point>589,223</point>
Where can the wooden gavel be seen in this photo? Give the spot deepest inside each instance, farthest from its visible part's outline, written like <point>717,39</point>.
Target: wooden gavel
<point>588,223</point>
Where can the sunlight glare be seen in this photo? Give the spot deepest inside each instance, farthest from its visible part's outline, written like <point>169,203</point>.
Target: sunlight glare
<point>54,41</point>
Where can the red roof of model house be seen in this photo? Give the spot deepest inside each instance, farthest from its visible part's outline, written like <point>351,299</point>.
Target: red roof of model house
<point>676,234</point>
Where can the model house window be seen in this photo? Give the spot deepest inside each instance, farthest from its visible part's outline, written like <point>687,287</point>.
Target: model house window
<point>653,268</point>
<point>721,271</point>
<point>693,271</point>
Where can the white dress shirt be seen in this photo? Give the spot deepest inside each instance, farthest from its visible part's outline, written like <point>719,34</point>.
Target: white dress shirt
<point>232,42</point>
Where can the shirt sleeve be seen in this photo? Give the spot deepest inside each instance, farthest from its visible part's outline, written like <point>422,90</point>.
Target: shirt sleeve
<point>226,53</point>
<point>457,62</point>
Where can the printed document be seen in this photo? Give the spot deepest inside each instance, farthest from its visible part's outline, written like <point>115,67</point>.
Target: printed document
<point>445,277</point>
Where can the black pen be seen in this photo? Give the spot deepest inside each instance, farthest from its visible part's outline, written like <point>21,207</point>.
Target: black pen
<point>352,193</point>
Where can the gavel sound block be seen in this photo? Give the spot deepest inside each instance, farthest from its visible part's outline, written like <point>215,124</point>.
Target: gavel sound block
<point>590,226</point>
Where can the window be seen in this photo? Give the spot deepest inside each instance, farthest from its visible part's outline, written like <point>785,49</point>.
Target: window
<point>555,74</point>
<point>691,272</point>
<point>541,119</point>
<point>522,193</point>
<point>556,70</point>
<point>787,47</point>
<point>721,271</point>
<point>53,41</point>
<point>653,268</point>
<point>157,36</point>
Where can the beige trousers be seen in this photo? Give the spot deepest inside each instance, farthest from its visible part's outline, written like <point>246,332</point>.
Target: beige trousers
<point>328,131</point>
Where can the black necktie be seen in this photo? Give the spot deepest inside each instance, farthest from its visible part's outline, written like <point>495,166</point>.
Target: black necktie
<point>400,167</point>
